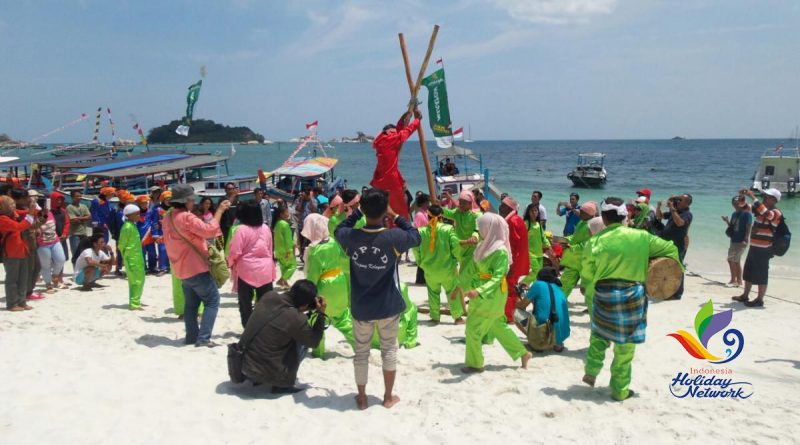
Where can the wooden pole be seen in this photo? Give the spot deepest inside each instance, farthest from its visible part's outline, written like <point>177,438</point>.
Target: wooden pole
<point>413,88</point>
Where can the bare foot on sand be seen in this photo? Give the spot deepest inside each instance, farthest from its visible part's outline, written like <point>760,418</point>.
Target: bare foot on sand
<point>361,402</point>
<point>391,401</point>
<point>460,320</point>
<point>589,380</point>
<point>525,359</point>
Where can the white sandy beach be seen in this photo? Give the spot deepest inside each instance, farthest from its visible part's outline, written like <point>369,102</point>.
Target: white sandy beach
<point>82,368</point>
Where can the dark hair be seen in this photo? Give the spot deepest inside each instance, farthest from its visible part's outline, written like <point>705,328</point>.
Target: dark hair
<point>276,213</point>
<point>527,216</point>
<point>388,127</point>
<point>177,205</point>
<point>249,214</point>
<point>374,203</point>
<point>19,193</point>
<point>229,183</point>
<point>689,197</point>
<point>577,196</point>
<point>537,192</point>
<point>422,199</point>
<point>97,237</point>
<point>204,199</point>
<point>611,215</point>
<point>348,195</point>
<point>73,193</point>
<point>303,293</point>
<point>4,188</point>
<point>435,210</point>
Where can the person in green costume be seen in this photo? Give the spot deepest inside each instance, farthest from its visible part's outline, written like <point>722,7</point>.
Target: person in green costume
<point>341,207</point>
<point>537,242</point>
<point>407,332</point>
<point>284,245</point>
<point>436,255</point>
<point>325,266</point>
<point>571,259</point>
<point>488,296</point>
<point>465,217</point>
<point>130,247</point>
<point>613,270</point>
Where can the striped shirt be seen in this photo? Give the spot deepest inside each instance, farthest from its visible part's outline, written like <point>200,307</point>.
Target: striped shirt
<point>766,221</point>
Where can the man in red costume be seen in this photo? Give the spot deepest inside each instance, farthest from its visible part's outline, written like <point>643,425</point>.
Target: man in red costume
<point>518,238</point>
<point>387,147</point>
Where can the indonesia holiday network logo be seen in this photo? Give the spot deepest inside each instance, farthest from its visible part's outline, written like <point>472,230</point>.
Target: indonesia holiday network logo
<point>710,382</point>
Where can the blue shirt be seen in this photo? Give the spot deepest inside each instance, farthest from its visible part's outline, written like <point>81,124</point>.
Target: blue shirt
<point>374,281</point>
<point>740,220</point>
<point>540,296</point>
<point>572,219</point>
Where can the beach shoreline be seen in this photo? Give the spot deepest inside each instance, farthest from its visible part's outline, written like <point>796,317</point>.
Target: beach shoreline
<point>82,368</point>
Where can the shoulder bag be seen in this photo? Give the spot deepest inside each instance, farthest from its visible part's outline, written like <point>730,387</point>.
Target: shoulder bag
<point>542,337</point>
<point>217,266</point>
<point>236,353</point>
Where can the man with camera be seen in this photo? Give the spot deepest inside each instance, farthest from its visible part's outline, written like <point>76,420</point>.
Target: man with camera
<point>676,227</point>
<point>278,335</point>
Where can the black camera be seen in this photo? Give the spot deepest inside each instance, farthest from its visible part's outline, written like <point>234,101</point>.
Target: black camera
<point>521,289</point>
<point>676,201</point>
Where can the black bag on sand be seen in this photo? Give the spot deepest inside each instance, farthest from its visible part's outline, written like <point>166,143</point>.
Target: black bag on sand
<point>235,361</point>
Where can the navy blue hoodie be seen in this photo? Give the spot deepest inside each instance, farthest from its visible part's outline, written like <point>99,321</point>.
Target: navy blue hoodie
<point>374,280</point>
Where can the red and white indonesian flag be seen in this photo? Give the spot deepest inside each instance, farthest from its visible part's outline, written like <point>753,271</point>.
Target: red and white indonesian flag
<point>312,126</point>
<point>458,134</point>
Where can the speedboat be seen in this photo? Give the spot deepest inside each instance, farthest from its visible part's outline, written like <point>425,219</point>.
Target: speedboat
<point>779,168</point>
<point>589,172</point>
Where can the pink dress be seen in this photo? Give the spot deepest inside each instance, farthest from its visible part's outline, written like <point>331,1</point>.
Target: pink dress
<point>250,256</point>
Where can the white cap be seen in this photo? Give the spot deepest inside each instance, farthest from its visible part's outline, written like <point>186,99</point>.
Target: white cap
<point>775,193</point>
<point>33,192</point>
<point>130,209</point>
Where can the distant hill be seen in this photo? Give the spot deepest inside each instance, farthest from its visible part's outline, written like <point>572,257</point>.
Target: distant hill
<point>202,130</point>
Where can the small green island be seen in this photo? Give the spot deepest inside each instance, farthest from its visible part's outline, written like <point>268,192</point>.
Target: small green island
<point>202,130</point>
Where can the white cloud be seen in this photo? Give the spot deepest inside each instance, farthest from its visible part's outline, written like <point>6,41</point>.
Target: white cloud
<point>556,12</point>
<point>334,31</point>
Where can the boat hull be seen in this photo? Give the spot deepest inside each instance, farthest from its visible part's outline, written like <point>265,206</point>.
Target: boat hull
<point>586,181</point>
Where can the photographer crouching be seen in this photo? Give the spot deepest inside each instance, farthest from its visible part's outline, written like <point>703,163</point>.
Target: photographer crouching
<point>279,333</point>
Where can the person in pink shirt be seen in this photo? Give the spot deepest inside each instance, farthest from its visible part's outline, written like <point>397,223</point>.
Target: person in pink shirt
<point>185,239</point>
<point>250,258</point>
<point>422,203</point>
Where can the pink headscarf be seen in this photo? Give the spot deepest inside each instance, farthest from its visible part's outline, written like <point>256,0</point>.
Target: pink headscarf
<point>494,236</point>
<point>468,196</point>
<point>510,202</point>
<point>335,204</point>
<point>590,207</point>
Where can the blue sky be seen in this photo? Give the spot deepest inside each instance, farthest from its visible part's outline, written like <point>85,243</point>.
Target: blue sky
<point>516,69</point>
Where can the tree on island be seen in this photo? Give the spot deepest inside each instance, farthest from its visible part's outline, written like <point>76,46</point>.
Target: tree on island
<point>5,138</point>
<point>201,130</point>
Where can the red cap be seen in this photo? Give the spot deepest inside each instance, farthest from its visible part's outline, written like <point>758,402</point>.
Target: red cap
<point>645,192</point>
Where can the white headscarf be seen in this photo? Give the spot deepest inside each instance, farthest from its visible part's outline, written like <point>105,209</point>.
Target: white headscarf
<point>494,236</point>
<point>315,228</point>
<point>596,225</point>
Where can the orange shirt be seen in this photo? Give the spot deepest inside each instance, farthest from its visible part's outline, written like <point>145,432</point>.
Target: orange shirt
<point>766,221</point>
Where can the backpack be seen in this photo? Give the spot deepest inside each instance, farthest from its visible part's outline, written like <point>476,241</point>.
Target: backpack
<point>781,238</point>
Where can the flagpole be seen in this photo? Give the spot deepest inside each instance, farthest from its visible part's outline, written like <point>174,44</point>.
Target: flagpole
<point>414,88</point>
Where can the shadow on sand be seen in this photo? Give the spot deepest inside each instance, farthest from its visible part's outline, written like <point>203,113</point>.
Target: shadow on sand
<point>330,400</point>
<point>154,341</point>
<point>117,306</point>
<point>795,363</point>
<point>599,396</point>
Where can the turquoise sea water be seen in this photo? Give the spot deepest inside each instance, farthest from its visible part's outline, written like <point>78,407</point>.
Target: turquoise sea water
<point>711,170</point>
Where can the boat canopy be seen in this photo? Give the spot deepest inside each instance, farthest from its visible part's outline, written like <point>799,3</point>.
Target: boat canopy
<point>124,163</point>
<point>183,162</point>
<point>455,151</point>
<point>306,167</point>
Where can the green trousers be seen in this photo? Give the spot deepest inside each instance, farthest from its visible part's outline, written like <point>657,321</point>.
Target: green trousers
<point>344,324</point>
<point>569,278</point>
<point>288,266</point>
<point>134,268</point>
<point>478,328</point>
<point>536,266</point>
<point>178,302</point>
<point>466,273</point>
<point>620,366</point>
<point>435,284</point>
